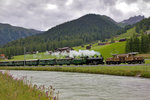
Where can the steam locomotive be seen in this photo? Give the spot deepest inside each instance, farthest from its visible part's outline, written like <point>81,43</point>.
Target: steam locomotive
<point>129,58</point>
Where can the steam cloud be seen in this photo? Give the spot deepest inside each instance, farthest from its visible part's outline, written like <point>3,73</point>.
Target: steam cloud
<point>73,53</point>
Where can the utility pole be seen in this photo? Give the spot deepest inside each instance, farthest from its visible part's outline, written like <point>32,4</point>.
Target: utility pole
<point>24,56</point>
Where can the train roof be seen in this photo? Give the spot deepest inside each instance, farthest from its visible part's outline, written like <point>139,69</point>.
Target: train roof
<point>121,55</point>
<point>31,60</point>
<point>95,58</point>
<point>57,59</point>
<point>132,53</point>
<point>19,60</point>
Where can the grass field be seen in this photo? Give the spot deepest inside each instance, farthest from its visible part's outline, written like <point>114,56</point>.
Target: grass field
<point>14,89</point>
<point>147,61</point>
<point>146,56</point>
<point>21,89</point>
<point>107,50</point>
<point>43,55</point>
<point>140,71</point>
<point>128,34</point>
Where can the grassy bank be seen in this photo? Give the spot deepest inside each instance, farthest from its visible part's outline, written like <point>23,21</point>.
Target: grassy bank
<point>16,89</point>
<point>146,56</point>
<point>140,71</point>
<point>147,61</point>
<point>107,50</point>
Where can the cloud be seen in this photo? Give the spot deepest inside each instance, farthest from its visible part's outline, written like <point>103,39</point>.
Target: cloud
<point>129,1</point>
<point>44,14</point>
<point>51,6</point>
<point>109,2</point>
<point>69,2</point>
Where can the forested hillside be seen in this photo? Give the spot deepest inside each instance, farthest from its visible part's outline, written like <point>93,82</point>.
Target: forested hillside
<point>140,44</point>
<point>9,33</point>
<point>143,25</point>
<point>84,30</point>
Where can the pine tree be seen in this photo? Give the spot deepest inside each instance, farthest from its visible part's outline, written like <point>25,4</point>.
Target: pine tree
<point>136,44</point>
<point>144,43</point>
<point>128,49</point>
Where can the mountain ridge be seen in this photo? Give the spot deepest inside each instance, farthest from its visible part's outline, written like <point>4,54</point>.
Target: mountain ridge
<point>86,29</point>
<point>133,20</point>
<point>9,33</point>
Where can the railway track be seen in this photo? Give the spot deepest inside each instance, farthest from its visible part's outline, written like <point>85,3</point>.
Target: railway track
<point>87,65</point>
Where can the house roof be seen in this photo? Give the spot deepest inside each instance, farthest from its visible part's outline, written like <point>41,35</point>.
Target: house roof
<point>2,55</point>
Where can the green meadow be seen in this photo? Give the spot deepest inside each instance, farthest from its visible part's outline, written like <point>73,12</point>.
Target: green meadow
<point>107,50</point>
<point>127,35</point>
<point>15,89</point>
<point>42,55</point>
<point>136,71</point>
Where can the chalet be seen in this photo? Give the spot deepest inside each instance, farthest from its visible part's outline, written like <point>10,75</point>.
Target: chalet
<point>82,46</point>
<point>28,52</point>
<point>147,32</point>
<point>88,47</point>
<point>2,56</point>
<point>67,49</point>
<point>103,43</point>
<point>116,41</point>
<point>50,52</point>
<point>34,52</point>
<point>121,40</point>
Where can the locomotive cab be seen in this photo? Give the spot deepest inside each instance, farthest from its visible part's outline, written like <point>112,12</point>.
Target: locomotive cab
<point>95,60</point>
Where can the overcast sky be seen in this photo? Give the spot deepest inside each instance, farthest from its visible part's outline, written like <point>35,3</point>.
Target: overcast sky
<point>44,14</point>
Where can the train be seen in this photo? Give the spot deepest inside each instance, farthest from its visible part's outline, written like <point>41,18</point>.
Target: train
<point>67,61</point>
<point>129,58</point>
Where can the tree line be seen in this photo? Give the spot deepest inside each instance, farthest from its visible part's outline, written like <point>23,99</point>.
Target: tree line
<point>138,44</point>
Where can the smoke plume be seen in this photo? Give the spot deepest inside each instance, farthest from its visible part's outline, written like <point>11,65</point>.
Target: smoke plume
<point>73,53</point>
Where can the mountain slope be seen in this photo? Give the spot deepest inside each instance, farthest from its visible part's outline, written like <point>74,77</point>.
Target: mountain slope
<point>9,33</point>
<point>133,20</point>
<point>143,25</point>
<point>142,43</point>
<point>140,27</point>
<point>86,29</point>
<point>100,26</point>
